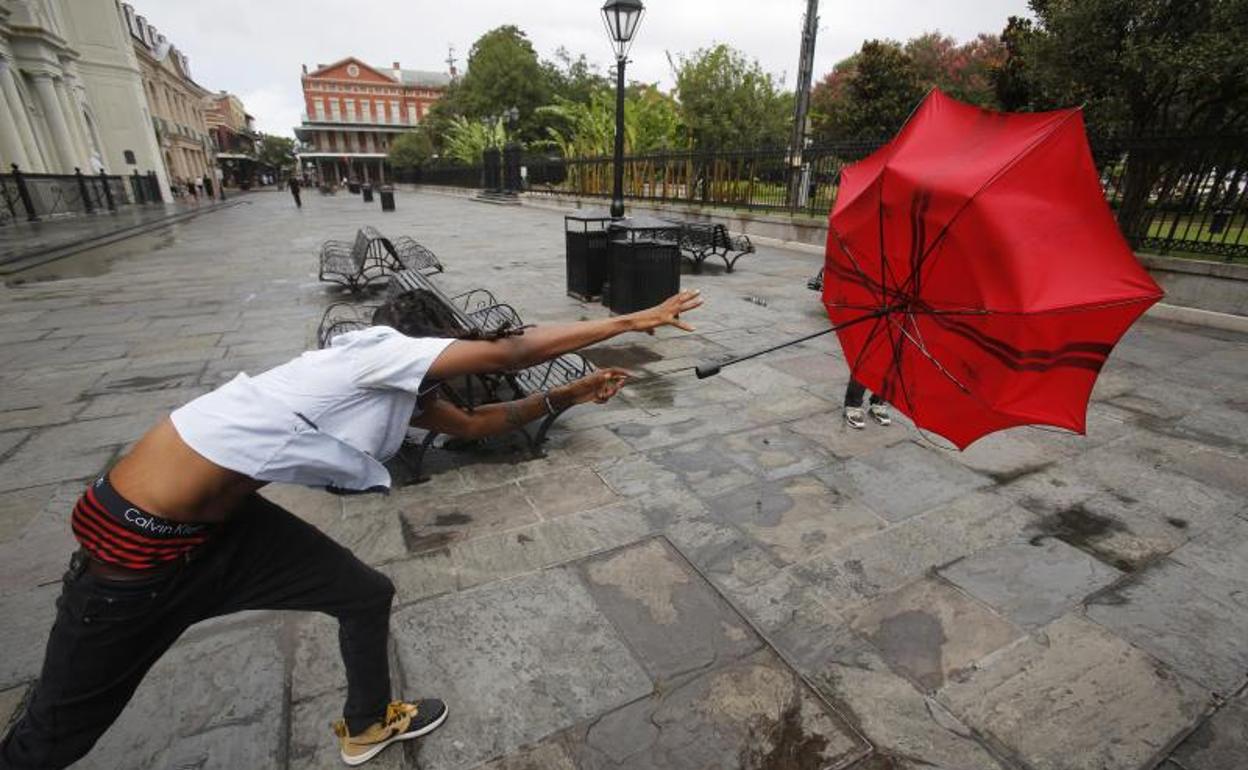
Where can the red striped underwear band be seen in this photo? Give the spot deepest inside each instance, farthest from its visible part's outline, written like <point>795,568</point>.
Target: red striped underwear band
<point>113,530</point>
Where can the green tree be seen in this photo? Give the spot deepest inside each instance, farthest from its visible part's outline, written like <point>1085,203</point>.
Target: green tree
<point>1139,67</point>
<point>410,149</point>
<point>276,152</point>
<point>587,129</point>
<point>503,72</point>
<point>869,95</point>
<point>962,71</point>
<point>1011,80</point>
<point>573,78</point>
<point>466,140</point>
<point>727,101</point>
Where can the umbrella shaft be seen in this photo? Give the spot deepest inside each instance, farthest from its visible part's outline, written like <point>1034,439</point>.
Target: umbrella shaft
<point>710,370</point>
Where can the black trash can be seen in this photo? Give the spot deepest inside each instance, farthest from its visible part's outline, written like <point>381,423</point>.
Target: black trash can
<point>387,198</point>
<point>644,270</point>
<point>353,188</point>
<point>368,193</point>
<point>585,237</point>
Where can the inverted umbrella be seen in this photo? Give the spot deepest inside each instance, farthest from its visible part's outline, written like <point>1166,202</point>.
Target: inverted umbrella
<point>992,278</point>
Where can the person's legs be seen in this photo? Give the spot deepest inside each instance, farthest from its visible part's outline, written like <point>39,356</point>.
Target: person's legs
<point>106,636</point>
<point>854,392</point>
<point>276,561</point>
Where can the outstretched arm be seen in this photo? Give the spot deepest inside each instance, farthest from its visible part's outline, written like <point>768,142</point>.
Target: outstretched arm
<point>546,342</point>
<point>489,420</point>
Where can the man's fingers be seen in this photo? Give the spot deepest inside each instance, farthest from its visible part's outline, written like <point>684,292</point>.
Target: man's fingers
<point>679,324</point>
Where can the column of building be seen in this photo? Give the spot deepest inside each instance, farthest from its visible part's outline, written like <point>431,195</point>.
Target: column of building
<point>11,112</point>
<point>51,105</point>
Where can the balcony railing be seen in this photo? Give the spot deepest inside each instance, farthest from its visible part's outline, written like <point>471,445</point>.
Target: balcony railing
<point>356,120</point>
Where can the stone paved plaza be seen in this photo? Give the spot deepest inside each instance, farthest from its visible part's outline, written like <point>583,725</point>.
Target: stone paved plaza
<point>702,574</point>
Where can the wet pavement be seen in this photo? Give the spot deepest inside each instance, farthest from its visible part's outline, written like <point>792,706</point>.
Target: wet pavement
<point>24,243</point>
<point>701,574</point>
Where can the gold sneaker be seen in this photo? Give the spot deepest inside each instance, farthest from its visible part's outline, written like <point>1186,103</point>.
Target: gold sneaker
<point>403,721</point>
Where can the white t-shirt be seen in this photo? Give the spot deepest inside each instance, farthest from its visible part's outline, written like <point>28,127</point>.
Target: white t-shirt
<point>329,418</point>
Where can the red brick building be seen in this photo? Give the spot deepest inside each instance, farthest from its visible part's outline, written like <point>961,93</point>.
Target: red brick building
<point>354,110</point>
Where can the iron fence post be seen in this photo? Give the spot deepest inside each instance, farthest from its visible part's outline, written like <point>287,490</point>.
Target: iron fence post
<point>108,191</point>
<point>83,192</point>
<point>24,193</point>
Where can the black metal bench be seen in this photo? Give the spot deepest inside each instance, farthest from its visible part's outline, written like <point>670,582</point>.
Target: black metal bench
<point>406,254</point>
<point>701,240</point>
<point>477,309</point>
<point>355,265</point>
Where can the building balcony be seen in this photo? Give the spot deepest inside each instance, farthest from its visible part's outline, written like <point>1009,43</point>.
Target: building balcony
<point>358,124</point>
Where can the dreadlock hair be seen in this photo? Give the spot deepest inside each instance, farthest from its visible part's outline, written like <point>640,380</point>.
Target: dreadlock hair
<point>421,313</point>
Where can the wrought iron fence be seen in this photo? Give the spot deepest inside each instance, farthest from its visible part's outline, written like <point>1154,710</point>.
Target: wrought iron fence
<point>1179,195</point>
<point>446,175</point>
<point>1172,195</point>
<point>35,197</point>
<point>749,179</point>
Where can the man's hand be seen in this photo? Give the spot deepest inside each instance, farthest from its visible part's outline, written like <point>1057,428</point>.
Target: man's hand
<point>668,313</point>
<point>599,387</point>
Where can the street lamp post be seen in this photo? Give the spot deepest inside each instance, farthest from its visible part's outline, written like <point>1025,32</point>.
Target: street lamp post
<point>621,17</point>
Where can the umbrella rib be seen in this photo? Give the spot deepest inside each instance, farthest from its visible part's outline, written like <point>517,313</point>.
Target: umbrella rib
<point>1057,124</point>
<point>870,282</point>
<point>866,345</point>
<point>939,366</point>
<point>887,271</point>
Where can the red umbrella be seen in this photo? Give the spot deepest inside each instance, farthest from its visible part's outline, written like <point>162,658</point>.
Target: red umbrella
<point>993,279</point>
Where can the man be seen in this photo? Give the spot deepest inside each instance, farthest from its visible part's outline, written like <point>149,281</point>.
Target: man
<point>293,184</point>
<point>176,533</point>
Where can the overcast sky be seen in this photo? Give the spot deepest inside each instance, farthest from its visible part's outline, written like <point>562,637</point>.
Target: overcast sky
<point>254,49</point>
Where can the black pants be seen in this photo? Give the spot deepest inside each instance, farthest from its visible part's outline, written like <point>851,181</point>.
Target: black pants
<point>108,633</point>
<point>298,203</point>
<point>854,392</point>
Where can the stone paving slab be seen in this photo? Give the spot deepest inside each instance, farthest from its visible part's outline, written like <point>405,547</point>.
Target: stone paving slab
<point>23,642</point>
<point>1082,683</point>
<point>904,479</point>
<point>753,713</point>
<point>211,702</point>
<point>1030,583</point>
<point>1219,744</point>
<point>888,560</point>
<point>663,611</point>
<point>796,518</point>
<point>1185,616</point>
<point>519,660</point>
<point>932,632</point>
<point>10,701</point>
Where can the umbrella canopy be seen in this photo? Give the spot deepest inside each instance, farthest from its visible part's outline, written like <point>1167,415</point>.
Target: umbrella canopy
<point>997,281</point>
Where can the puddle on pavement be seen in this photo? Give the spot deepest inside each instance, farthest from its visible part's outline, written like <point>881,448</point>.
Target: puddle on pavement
<point>650,392</point>
<point>625,356</point>
<point>96,261</point>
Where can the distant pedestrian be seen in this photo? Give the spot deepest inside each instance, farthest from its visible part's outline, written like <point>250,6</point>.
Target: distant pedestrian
<point>854,415</point>
<point>293,184</point>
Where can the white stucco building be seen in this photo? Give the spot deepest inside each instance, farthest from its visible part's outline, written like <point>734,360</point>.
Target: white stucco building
<point>72,91</point>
